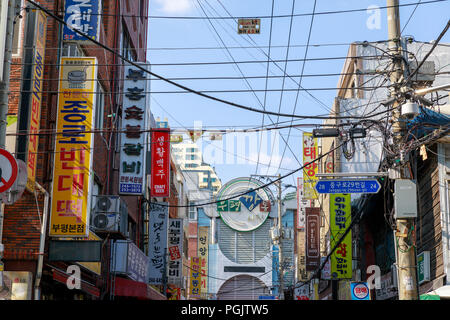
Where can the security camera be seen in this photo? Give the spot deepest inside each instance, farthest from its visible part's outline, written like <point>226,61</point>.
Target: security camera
<point>410,110</point>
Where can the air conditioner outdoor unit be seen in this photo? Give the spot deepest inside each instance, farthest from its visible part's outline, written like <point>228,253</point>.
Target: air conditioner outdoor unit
<point>109,214</point>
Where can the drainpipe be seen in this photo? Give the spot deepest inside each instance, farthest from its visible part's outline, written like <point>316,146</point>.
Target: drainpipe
<point>37,281</point>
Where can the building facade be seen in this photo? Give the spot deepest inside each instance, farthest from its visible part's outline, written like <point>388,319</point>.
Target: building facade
<point>42,48</point>
<point>363,91</point>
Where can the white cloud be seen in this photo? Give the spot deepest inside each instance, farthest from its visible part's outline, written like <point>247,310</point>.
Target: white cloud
<point>174,6</point>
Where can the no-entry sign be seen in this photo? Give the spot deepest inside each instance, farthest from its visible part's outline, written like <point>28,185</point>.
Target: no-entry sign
<point>8,170</point>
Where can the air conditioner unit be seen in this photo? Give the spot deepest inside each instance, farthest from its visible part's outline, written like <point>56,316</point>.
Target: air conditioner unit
<point>109,214</point>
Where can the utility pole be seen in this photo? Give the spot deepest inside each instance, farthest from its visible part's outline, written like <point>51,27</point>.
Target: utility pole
<point>406,259</point>
<point>4,90</point>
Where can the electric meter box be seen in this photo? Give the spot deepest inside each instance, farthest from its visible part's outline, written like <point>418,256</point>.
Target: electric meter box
<point>405,199</point>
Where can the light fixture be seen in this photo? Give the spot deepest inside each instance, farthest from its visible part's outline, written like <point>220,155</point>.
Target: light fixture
<point>410,110</point>
<point>323,133</point>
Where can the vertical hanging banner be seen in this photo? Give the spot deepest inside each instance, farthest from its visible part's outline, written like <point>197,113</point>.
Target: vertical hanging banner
<point>133,148</point>
<point>303,274</point>
<point>203,244</point>
<point>37,85</point>
<point>301,205</point>
<point>83,16</point>
<point>159,215</point>
<point>175,247</point>
<point>310,170</point>
<point>195,277</point>
<point>312,235</point>
<point>160,163</point>
<point>340,220</point>
<point>72,161</point>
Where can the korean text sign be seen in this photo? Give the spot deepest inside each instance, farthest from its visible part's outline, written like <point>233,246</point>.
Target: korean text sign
<point>137,263</point>
<point>195,277</point>
<point>340,219</point>
<point>133,148</point>
<point>36,98</point>
<point>203,244</point>
<point>301,205</point>
<point>73,160</point>
<point>160,164</point>
<point>159,216</point>
<point>311,168</point>
<point>83,16</point>
<point>175,246</point>
<point>312,235</point>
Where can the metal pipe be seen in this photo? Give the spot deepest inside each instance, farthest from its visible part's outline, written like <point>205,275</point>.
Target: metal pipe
<point>431,89</point>
<point>353,174</point>
<point>41,241</point>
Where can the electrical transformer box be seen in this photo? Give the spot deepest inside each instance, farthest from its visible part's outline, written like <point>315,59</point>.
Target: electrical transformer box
<point>405,199</point>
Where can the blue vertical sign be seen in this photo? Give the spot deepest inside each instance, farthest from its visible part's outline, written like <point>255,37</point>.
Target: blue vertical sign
<point>83,16</point>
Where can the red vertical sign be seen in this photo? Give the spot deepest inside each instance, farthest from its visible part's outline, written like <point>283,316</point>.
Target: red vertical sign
<point>160,163</point>
<point>312,238</point>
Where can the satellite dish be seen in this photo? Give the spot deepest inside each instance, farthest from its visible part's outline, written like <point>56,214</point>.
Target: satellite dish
<point>14,193</point>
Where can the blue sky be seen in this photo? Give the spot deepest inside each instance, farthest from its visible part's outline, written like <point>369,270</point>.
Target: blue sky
<point>335,30</point>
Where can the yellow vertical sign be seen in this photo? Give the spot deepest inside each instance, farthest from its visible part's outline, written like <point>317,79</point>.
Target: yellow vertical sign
<point>310,169</point>
<point>203,242</point>
<point>37,85</point>
<point>195,277</point>
<point>74,140</point>
<point>340,220</point>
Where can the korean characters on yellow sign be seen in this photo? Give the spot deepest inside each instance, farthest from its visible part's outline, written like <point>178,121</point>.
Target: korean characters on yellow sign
<point>72,160</point>
<point>196,277</point>
<point>311,169</point>
<point>203,243</point>
<point>340,219</point>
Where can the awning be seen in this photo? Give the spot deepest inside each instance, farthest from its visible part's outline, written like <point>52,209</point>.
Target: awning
<point>140,290</point>
<point>443,292</point>
<point>85,286</point>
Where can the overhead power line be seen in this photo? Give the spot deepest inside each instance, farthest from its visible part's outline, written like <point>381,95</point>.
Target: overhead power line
<point>257,17</point>
<point>237,105</point>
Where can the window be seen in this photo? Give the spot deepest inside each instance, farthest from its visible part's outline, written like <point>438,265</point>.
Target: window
<point>127,47</point>
<point>192,212</point>
<point>190,157</point>
<point>71,50</point>
<point>99,107</point>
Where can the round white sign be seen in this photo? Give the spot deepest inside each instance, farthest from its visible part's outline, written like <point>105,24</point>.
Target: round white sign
<point>242,206</point>
<point>8,170</point>
<point>360,291</point>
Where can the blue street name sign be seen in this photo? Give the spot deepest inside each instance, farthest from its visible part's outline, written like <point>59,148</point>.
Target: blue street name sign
<point>348,186</point>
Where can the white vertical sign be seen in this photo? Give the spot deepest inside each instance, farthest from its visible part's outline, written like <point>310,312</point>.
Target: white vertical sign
<point>301,205</point>
<point>175,248</point>
<point>159,215</point>
<point>133,148</point>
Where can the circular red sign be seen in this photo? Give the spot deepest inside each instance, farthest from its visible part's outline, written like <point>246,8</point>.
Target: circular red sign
<point>10,164</point>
